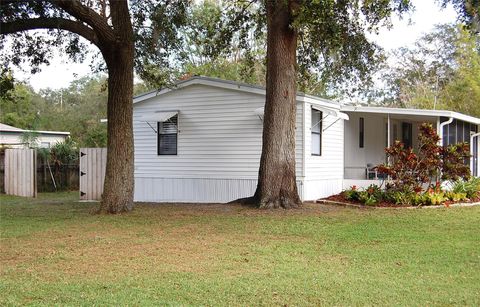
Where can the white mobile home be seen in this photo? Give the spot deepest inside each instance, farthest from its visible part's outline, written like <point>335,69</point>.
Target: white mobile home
<point>201,142</point>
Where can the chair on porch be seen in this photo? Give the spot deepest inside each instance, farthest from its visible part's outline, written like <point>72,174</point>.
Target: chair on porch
<point>371,172</point>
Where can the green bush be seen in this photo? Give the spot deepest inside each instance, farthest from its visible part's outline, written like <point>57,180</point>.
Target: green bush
<point>64,152</point>
<point>456,196</point>
<point>369,196</point>
<point>352,194</point>
<point>403,197</point>
<point>471,187</point>
<point>434,198</point>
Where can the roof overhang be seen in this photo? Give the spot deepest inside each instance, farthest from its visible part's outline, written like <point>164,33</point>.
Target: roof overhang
<point>231,85</point>
<point>200,80</point>
<point>329,111</point>
<point>412,112</point>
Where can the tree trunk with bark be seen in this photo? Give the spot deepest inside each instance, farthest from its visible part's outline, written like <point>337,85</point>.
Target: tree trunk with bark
<point>119,177</point>
<point>277,186</point>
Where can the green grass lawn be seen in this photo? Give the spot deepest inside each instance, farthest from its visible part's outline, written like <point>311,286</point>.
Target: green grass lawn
<point>55,252</point>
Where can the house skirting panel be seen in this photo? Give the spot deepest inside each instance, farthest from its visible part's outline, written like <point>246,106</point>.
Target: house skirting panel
<point>195,190</point>
<point>319,188</point>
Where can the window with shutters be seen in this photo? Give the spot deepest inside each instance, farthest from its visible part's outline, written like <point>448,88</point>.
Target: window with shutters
<point>168,136</point>
<point>316,132</point>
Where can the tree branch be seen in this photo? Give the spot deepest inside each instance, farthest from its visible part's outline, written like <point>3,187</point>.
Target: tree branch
<point>121,19</point>
<point>50,23</point>
<point>89,16</point>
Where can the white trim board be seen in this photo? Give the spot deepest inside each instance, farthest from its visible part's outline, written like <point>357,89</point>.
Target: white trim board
<point>419,112</point>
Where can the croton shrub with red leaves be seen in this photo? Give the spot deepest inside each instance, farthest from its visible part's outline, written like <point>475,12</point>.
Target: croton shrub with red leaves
<point>410,170</point>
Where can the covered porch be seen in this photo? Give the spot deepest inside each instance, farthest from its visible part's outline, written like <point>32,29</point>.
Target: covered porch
<point>371,129</point>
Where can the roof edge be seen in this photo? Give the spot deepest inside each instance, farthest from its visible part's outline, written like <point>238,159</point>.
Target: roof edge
<point>405,111</point>
<point>228,84</point>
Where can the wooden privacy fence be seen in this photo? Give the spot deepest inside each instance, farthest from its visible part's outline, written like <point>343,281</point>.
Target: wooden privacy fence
<point>93,162</point>
<point>21,172</point>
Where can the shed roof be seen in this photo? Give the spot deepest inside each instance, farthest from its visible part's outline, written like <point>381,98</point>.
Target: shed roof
<point>8,128</point>
<point>4,127</point>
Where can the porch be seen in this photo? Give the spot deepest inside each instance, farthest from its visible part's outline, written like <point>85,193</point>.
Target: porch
<point>371,129</point>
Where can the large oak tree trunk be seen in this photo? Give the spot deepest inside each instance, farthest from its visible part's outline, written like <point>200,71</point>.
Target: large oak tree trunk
<point>119,178</point>
<point>277,181</point>
<point>118,54</point>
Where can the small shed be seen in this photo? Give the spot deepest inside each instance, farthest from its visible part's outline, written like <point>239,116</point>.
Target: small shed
<point>12,137</point>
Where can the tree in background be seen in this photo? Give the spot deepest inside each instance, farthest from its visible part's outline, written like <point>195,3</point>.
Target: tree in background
<point>107,25</point>
<point>441,71</point>
<point>462,93</point>
<point>200,49</point>
<point>225,40</point>
<point>16,106</point>
<point>468,12</point>
<point>78,109</point>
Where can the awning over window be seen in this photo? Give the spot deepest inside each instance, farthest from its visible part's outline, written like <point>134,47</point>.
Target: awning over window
<point>159,116</point>
<point>332,112</point>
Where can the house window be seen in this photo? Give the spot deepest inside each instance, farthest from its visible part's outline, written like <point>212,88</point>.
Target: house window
<point>407,135</point>
<point>167,136</point>
<point>361,135</point>
<point>316,132</point>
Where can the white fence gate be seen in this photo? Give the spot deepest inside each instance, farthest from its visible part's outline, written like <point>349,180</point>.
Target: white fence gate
<point>21,172</point>
<point>93,162</point>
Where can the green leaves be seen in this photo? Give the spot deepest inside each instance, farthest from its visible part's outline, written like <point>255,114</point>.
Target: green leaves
<point>442,71</point>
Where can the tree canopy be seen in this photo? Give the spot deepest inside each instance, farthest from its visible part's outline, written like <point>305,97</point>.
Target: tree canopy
<point>441,71</point>
<point>123,34</point>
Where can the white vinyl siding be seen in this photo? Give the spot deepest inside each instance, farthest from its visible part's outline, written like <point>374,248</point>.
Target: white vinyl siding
<point>219,135</point>
<point>324,174</point>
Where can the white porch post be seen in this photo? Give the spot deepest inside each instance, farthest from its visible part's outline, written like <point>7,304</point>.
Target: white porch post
<point>439,133</point>
<point>388,130</point>
<point>472,160</point>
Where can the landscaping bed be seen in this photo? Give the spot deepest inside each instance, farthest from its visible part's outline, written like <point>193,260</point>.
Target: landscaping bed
<point>430,175</point>
<point>339,199</point>
<point>460,192</point>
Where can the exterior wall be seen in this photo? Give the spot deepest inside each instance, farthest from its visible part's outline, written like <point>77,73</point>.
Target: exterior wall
<point>324,173</point>
<point>15,139</point>
<point>50,139</point>
<point>218,148</point>
<point>356,158</point>
<point>195,190</point>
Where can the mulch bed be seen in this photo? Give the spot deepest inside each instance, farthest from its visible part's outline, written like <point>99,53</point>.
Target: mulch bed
<point>339,199</point>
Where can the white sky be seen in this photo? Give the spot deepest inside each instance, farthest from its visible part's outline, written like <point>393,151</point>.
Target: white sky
<point>62,71</point>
